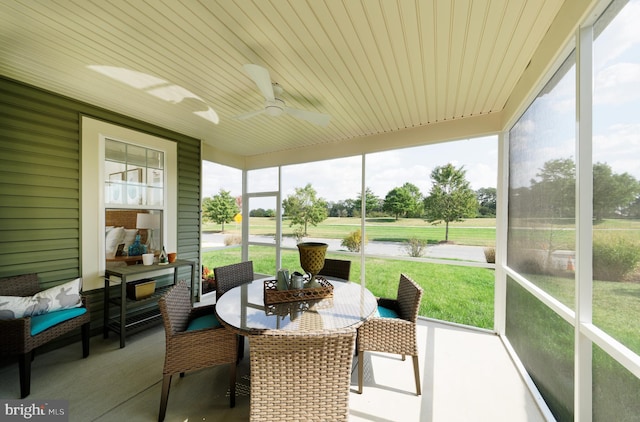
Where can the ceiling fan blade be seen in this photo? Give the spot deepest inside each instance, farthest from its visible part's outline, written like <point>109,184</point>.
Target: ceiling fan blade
<point>261,77</point>
<point>249,114</point>
<point>319,119</point>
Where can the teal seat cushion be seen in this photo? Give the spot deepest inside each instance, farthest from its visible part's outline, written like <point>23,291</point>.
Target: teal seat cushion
<point>40,323</point>
<point>383,312</point>
<point>205,321</point>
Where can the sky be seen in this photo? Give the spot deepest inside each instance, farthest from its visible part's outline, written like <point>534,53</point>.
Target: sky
<point>340,179</point>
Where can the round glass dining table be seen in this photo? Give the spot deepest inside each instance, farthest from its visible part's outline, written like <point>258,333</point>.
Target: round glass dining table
<point>243,309</point>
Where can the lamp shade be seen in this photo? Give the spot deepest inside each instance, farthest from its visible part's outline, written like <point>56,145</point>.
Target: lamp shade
<point>148,221</point>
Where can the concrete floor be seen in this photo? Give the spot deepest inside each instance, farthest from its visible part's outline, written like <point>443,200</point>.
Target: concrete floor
<point>466,376</point>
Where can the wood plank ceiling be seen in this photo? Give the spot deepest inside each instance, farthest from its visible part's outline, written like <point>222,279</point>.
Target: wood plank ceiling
<point>374,66</point>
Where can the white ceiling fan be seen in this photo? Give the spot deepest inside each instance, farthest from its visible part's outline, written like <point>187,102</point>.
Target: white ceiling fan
<point>274,105</point>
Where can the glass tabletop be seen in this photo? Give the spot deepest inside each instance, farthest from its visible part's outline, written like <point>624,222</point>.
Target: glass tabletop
<point>243,309</point>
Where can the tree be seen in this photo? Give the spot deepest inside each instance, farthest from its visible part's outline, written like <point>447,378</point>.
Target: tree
<point>340,208</point>
<point>450,198</point>
<point>220,208</point>
<point>258,212</point>
<point>304,208</point>
<point>396,202</point>
<point>405,200</point>
<point>261,212</point>
<point>612,193</point>
<point>416,208</point>
<point>554,193</point>
<point>487,201</point>
<point>372,202</point>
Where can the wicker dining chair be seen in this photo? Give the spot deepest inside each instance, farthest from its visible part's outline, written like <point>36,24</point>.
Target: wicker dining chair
<point>301,375</point>
<point>194,340</point>
<point>393,334</point>
<point>336,268</point>
<point>16,333</point>
<point>228,277</point>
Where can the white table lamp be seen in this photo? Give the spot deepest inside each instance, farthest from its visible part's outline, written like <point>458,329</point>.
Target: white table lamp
<point>148,222</point>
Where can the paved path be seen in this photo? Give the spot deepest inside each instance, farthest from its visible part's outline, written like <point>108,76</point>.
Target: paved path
<point>212,241</point>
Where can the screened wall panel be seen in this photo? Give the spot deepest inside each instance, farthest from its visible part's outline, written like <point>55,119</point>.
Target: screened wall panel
<point>616,173</point>
<point>557,215</point>
<point>544,343</point>
<point>615,390</point>
<point>541,234</point>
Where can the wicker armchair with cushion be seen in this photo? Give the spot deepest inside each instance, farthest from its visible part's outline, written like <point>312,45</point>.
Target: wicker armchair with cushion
<point>394,331</point>
<point>194,340</point>
<point>31,317</point>
<point>301,376</point>
<point>336,268</point>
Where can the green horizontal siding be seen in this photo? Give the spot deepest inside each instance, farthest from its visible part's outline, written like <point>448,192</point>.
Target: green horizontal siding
<point>40,184</point>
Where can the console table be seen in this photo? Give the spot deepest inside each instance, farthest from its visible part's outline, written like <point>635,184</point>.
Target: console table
<point>135,313</point>
<point>130,260</point>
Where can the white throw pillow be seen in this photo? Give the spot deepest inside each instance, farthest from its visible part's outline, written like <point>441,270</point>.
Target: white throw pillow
<point>64,296</point>
<point>113,239</point>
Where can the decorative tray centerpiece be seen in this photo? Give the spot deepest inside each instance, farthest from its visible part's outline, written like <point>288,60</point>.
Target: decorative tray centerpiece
<point>286,308</point>
<point>273,295</point>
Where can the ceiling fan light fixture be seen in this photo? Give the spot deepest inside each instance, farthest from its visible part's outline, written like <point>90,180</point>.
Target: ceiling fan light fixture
<point>274,108</point>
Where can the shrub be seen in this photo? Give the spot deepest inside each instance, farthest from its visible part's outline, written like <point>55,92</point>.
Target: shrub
<point>614,258</point>
<point>415,247</point>
<point>527,261</point>
<point>353,242</point>
<point>232,239</point>
<point>490,255</point>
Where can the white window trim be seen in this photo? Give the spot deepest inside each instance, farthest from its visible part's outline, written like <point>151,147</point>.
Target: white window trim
<point>92,251</point>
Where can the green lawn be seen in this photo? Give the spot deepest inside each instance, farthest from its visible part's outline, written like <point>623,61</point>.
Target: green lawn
<point>452,293</point>
<point>615,304</point>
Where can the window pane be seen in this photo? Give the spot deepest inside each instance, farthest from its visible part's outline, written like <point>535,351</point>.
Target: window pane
<point>616,170</point>
<point>134,175</point>
<point>115,151</point>
<point>136,156</point>
<point>134,185</point>
<point>155,159</point>
<point>544,343</point>
<point>541,234</point>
